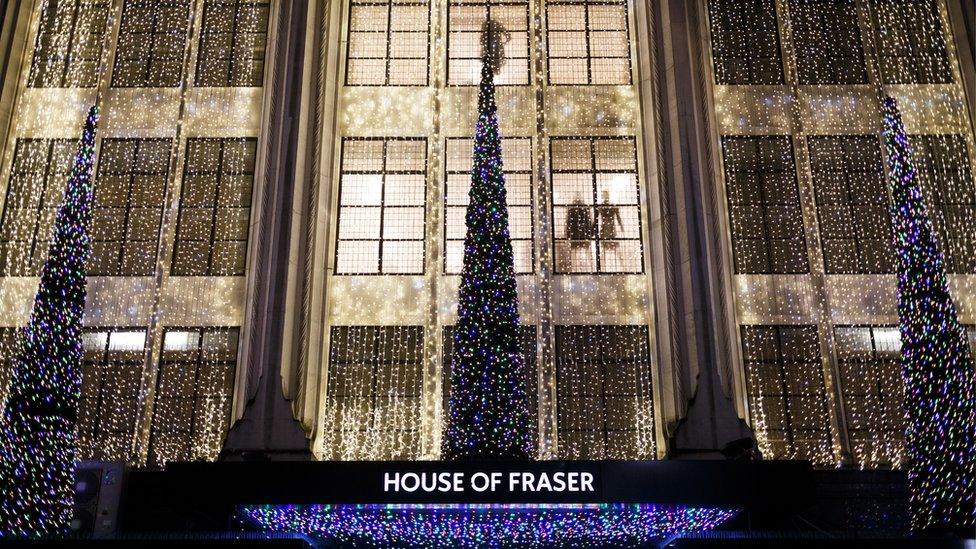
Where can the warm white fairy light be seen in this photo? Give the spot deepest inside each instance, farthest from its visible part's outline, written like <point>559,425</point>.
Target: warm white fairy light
<point>841,207</point>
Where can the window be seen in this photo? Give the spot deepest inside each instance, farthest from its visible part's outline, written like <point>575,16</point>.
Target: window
<point>787,398</point>
<point>374,393</point>
<point>215,207</point>
<point>151,44</point>
<point>596,205</point>
<point>942,162</point>
<point>869,359</point>
<point>111,378</point>
<point>910,43</point>
<point>466,19</point>
<point>8,348</point>
<point>382,197</point>
<point>827,42</point>
<point>745,42</point>
<point>388,43</point>
<point>531,375</point>
<point>129,196</point>
<point>193,394</point>
<point>38,179</point>
<point>69,44</point>
<point>852,204</point>
<point>232,43</point>
<point>588,42</point>
<point>518,185</point>
<point>764,205</point>
<point>604,397</point>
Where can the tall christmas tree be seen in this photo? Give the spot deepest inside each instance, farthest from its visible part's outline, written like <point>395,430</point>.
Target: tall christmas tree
<point>37,429</point>
<point>488,406</point>
<point>937,364</point>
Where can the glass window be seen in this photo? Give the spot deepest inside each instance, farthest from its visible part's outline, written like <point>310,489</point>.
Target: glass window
<point>910,43</point>
<point>129,197</point>
<point>38,179</point>
<point>787,398</point>
<point>194,389</point>
<point>69,44</point>
<point>111,378</point>
<point>745,42</point>
<point>517,158</point>
<point>827,42</point>
<point>152,40</point>
<point>382,204</point>
<point>852,204</point>
<point>531,375</point>
<point>215,207</point>
<point>232,43</point>
<point>943,167</point>
<point>596,205</point>
<point>374,393</point>
<point>466,18</point>
<point>588,42</point>
<point>604,397</point>
<point>388,43</point>
<point>764,205</point>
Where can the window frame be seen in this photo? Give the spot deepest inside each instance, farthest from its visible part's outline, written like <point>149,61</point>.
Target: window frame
<point>587,31</point>
<point>489,4</point>
<point>387,32</point>
<point>74,44</point>
<point>146,76</point>
<point>752,80</point>
<point>233,64</point>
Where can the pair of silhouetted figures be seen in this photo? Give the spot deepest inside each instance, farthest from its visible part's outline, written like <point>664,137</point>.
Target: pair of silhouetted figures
<point>582,228</point>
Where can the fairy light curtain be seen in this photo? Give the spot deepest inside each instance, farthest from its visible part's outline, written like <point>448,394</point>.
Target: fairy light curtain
<point>838,57</point>
<point>465,21</point>
<point>213,181</point>
<point>389,43</point>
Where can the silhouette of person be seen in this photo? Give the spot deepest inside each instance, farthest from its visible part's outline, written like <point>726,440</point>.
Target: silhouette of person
<point>579,231</point>
<point>608,217</point>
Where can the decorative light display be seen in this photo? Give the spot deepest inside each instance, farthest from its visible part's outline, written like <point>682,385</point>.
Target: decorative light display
<point>194,68</point>
<point>937,364</point>
<point>488,407</point>
<point>568,72</point>
<point>37,429</point>
<point>823,95</point>
<point>471,526</point>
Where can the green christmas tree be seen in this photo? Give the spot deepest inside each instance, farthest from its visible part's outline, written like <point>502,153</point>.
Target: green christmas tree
<point>937,365</point>
<point>488,406</point>
<point>37,429</point>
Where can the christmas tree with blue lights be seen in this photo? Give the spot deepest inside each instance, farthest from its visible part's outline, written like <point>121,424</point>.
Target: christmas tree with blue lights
<point>37,429</point>
<point>937,364</point>
<point>488,414</point>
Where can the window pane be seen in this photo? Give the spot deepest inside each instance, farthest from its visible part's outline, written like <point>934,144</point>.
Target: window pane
<point>827,42</point>
<point>69,44</point>
<point>151,44</point>
<point>745,42</point>
<point>465,21</point>
<point>910,42</point>
<point>232,43</point>
<point>588,42</point>
<point>389,42</point>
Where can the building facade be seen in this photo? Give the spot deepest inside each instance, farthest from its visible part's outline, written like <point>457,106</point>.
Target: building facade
<point>697,193</point>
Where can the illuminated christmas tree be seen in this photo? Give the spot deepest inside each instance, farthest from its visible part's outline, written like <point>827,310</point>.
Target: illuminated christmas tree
<point>37,430</point>
<point>937,364</point>
<point>488,407</point>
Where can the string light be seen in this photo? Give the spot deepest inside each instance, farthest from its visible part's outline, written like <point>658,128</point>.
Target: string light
<point>937,364</point>
<point>820,261</point>
<point>37,429</point>
<point>468,526</point>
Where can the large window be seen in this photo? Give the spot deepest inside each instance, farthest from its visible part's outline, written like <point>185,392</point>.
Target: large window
<point>745,42</point>
<point>215,206</point>
<point>69,44</point>
<point>466,19</point>
<point>943,166</point>
<point>373,400</point>
<point>129,196</point>
<point>151,44</point>
<point>193,394</point>
<point>111,378</point>
<point>37,182</point>
<point>382,206</point>
<point>604,396</point>
<point>764,205</point>
<point>232,43</point>
<point>518,184</point>
<point>388,43</point>
<point>787,398</point>
<point>596,205</point>
<point>588,42</point>
<point>531,375</point>
<point>852,204</point>
<point>827,42</point>
<point>910,43</point>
